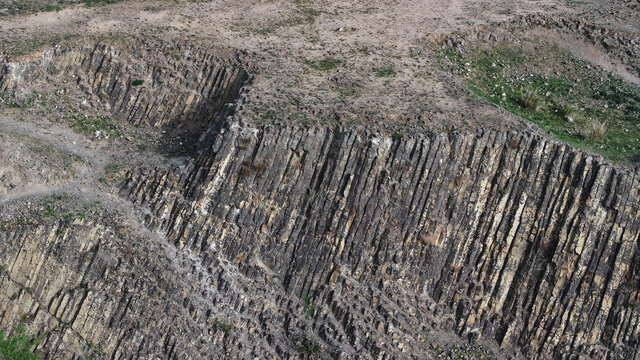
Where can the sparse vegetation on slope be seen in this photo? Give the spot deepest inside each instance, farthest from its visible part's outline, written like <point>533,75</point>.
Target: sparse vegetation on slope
<point>23,7</point>
<point>93,125</point>
<point>579,103</point>
<point>19,346</point>
<point>48,209</point>
<point>309,345</point>
<point>324,64</point>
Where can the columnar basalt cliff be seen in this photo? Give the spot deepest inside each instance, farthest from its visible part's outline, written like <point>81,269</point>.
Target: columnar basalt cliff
<point>519,238</point>
<point>274,242</point>
<point>189,89</point>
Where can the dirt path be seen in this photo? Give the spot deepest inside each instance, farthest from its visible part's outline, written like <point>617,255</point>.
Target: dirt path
<point>589,52</point>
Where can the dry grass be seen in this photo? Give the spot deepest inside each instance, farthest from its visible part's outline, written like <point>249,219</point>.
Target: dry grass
<point>529,99</point>
<point>595,130</point>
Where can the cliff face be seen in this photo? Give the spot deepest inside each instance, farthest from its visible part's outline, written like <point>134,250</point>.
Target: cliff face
<point>274,242</point>
<point>518,238</point>
<point>168,86</point>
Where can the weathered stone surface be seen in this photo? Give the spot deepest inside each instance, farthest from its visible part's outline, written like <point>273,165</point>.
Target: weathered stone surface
<point>522,239</point>
<point>502,236</point>
<point>189,89</point>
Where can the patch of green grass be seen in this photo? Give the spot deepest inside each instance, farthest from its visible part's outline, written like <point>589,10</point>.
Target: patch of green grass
<point>266,116</point>
<point>75,215</point>
<point>594,130</point>
<point>309,307</point>
<point>578,103</point>
<point>12,102</point>
<point>528,99</point>
<point>574,3</point>
<point>52,155</point>
<point>449,53</point>
<point>137,82</point>
<point>112,171</point>
<point>270,114</point>
<point>306,14</point>
<point>99,2</point>
<point>325,64</point>
<point>48,209</point>
<point>223,326</point>
<point>349,91</point>
<point>386,71</point>
<point>309,345</point>
<point>90,124</point>
<point>27,45</point>
<point>301,118</point>
<point>24,7</point>
<point>19,346</point>
<point>112,168</point>
<point>564,111</point>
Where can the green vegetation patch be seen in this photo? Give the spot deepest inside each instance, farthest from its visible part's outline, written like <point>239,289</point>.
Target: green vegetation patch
<point>48,209</point>
<point>20,7</point>
<point>309,345</point>
<point>305,14</point>
<point>386,71</point>
<point>19,346</point>
<point>112,171</point>
<point>309,307</point>
<point>577,102</point>
<point>99,2</point>
<point>223,326</point>
<point>48,153</point>
<point>266,116</point>
<point>24,7</point>
<point>6,100</point>
<point>325,64</point>
<point>28,44</point>
<point>92,124</point>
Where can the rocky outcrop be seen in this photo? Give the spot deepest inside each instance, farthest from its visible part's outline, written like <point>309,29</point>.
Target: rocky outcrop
<point>100,291</point>
<point>518,238</point>
<point>282,242</point>
<point>185,88</point>
<point>99,287</point>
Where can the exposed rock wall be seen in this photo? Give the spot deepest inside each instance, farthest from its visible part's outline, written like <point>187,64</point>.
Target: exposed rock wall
<point>503,236</point>
<point>102,289</point>
<point>187,88</point>
<point>521,239</point>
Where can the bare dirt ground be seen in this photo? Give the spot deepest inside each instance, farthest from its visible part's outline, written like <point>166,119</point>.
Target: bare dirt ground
<point>354,63</point>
